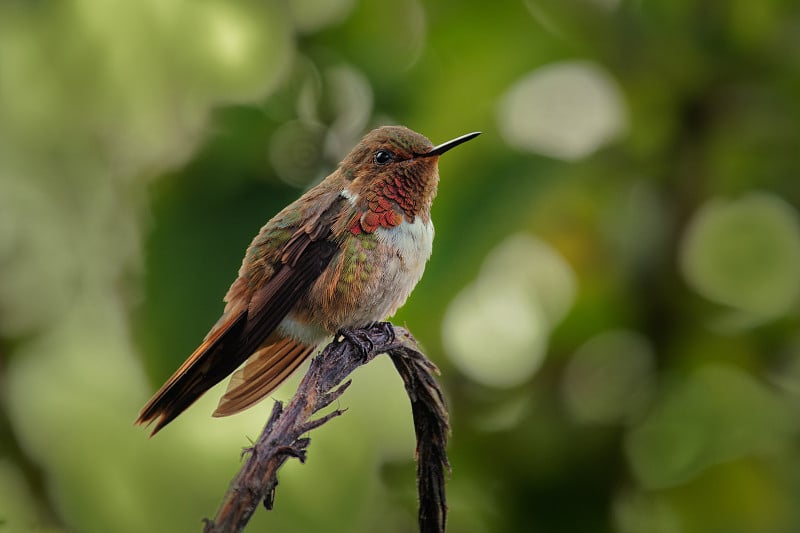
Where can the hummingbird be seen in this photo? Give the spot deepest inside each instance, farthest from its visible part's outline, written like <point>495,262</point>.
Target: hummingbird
<point>344,255</point>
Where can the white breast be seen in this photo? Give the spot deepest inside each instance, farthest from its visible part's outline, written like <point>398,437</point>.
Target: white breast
<point>412,244</point>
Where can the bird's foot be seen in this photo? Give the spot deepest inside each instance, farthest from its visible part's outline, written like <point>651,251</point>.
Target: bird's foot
<point>387,330</point>
<point>359,339</point>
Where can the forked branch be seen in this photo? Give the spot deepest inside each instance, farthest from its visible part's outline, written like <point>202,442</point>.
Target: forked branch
<point>282,437</point>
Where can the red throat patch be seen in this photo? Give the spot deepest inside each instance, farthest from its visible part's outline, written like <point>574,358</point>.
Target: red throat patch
<point>390,201</point>
<point>374,218</point>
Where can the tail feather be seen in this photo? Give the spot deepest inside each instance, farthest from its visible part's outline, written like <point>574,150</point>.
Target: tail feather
<point>212,361</point>
<point>264,372</point>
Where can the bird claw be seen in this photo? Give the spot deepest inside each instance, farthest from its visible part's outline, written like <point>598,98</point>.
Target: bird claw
<point>387,330</point>
<point>359,339</point>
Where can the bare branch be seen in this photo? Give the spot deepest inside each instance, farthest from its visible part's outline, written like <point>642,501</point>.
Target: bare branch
<point>281,438</point>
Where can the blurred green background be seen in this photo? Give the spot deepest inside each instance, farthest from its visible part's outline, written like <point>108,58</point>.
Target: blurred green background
<point>612,299</point>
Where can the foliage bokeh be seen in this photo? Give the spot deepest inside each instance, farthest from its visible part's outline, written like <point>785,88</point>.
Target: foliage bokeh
<point>612,299</point>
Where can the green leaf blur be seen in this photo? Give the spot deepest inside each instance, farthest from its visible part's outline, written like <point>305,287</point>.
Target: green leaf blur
<point>613,294</point>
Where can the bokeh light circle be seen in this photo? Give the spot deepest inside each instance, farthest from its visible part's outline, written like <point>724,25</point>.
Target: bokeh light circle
<point>496,329</point>
<point>745,253</point>
<point>563,110</point>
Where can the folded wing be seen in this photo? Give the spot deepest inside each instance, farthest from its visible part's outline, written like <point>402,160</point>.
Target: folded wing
<point>252,315</point>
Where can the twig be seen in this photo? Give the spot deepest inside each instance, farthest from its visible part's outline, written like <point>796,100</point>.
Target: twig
<point>281,438</point>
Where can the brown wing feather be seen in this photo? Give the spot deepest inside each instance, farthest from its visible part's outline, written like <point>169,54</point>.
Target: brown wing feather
<point>264,372</point>
<point>208,363</point>
<point>299,264</point>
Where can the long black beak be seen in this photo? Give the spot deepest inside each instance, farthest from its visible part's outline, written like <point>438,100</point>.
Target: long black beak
<point>442,148</point>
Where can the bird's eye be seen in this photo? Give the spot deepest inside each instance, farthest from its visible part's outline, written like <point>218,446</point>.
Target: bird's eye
<point>383,157</point>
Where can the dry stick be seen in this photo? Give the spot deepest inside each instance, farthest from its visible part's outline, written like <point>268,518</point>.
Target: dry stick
<point>281,438</point>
